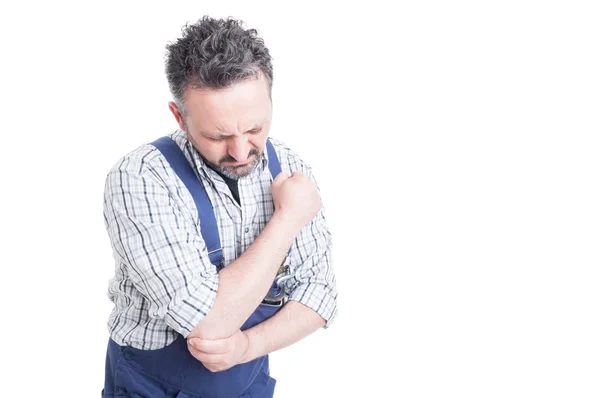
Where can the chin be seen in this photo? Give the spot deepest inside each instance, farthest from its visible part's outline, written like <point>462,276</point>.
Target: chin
<point>238,172</point>
<point>241,171</point>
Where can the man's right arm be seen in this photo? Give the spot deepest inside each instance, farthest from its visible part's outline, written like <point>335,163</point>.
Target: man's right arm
<point>168,262</point>
<point>244,283</point>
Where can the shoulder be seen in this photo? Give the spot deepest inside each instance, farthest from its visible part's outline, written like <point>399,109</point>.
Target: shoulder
<point>138,160</point>
<point>145,161</point>
<point>289,159</point>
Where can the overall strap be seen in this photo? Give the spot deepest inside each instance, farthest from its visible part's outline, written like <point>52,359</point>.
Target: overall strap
<point>274,165</point>
<point>206,214</point>
<point>276,292</point>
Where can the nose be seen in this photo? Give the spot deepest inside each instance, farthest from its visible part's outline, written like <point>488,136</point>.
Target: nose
<point>239,148</point>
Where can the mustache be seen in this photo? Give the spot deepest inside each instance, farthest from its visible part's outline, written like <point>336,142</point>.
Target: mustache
<point>229,159</point>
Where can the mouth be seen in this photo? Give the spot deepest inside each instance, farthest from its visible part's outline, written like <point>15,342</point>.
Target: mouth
<point>238,164</point>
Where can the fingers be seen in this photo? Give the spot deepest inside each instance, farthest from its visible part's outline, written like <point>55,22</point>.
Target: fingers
<point>220,346</point>
<point>208,359</point>
<point>212,362</point>
<point>281,177</point>
<point>298,174</point>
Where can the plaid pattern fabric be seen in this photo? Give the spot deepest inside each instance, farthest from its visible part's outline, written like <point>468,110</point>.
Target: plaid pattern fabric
<point>164,283</point>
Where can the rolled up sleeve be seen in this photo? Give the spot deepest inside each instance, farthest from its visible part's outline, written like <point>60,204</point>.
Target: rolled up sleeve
<point>159,244</point>
<point>313,283</point>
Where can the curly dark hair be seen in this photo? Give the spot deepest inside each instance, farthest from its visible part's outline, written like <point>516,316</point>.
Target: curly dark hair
<point>213,54</point>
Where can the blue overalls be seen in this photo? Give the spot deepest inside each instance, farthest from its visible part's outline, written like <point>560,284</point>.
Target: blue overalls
<point>172,371</point>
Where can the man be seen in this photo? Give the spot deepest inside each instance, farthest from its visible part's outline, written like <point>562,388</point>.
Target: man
<point>222,253</point>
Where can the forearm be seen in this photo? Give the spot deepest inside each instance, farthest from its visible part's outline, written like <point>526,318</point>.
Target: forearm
<point>244,283</point>
<point>292,323</point>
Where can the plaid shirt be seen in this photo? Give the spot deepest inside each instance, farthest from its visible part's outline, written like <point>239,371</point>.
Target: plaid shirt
<point>164,282</point>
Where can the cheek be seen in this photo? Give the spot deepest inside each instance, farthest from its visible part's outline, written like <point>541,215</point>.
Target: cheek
<point>220,151</point>
<point>214,151</point>
<point>259,141</point>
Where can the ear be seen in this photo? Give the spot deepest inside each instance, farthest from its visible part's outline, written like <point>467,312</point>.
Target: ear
<point>175,111</point>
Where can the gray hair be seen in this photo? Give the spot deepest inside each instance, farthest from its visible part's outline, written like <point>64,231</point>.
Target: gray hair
<point>213,54</point>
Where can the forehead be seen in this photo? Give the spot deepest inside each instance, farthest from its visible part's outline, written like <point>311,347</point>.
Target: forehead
<point>247,101</point>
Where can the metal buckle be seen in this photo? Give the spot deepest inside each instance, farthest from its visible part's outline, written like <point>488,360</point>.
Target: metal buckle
<point>270,303</point>
<point>278,300</point>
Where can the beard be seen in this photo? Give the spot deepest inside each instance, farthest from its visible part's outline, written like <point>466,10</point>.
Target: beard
<point>235,172</point>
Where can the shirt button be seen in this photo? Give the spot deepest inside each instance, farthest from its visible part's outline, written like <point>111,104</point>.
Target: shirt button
<point>247,230</point>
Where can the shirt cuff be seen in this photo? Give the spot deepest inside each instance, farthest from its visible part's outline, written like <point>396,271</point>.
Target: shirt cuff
<point>191,308</point>
<point>319,298</point>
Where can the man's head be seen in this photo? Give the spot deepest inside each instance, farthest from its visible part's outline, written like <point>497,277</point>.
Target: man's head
<point>221,76</point>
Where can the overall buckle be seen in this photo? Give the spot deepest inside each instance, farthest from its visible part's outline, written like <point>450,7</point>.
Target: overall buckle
<point>276,296</point>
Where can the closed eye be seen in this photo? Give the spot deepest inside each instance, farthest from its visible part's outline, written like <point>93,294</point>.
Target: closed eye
<point>224,137</point>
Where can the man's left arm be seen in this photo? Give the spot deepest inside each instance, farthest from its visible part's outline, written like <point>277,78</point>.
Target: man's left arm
<point>291,324</point>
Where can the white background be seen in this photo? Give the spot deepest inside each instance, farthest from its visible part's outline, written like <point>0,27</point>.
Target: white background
<point>456,147</point>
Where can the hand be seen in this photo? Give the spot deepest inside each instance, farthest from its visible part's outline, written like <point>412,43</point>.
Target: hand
<point>296,197</point>
<point>222,354</point>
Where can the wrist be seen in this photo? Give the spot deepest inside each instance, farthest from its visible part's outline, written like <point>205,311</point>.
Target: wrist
<point>287,222</point>
<point>256,344</point>
<point>247,355</point>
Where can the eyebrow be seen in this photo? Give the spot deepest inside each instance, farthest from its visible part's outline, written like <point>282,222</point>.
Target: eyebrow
<point>219,134</point>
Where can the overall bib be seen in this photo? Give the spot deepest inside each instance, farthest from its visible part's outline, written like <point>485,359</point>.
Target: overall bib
<point>172,371</point>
